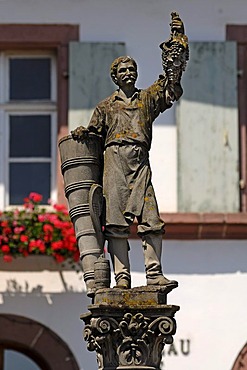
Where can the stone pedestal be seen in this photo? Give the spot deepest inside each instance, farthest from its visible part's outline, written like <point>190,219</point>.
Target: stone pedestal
<point>129,328</point>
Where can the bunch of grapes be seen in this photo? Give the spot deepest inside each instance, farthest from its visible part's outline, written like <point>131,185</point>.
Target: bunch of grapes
<point>174,58</point>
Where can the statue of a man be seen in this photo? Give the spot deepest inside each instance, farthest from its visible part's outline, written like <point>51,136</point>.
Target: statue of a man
<point>125,122</point>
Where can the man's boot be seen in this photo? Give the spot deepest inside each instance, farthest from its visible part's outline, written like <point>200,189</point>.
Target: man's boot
<point>119,252</point>
<point>152,246</point>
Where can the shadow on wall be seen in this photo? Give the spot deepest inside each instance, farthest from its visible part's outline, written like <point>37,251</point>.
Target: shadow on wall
<point>196,257</point>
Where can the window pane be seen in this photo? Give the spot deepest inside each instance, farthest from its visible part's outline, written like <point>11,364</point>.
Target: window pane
<point>17,361</point>
<point>30,136</point>
<point>30,78</point>
<point>25,178</point>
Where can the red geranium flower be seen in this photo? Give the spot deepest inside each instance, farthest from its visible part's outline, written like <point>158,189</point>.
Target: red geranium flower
<point>59,207</point>
<point>7,258</point>
<point>24,238</point>
<point>59,258</point>
<point>48,228</point>
<point>18,229</point>
<point>6,230</point>
<point>37,244</point>
<point>5,248</point>
<point>35,197</point>
<point>57,245</point>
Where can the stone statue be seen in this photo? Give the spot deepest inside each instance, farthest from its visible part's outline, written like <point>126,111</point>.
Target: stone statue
<point>124,121</point>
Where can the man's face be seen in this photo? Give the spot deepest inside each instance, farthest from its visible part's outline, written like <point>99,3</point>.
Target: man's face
<point>126,74</point>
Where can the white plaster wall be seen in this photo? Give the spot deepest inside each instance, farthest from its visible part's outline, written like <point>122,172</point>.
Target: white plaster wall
<point>163,159</point>
<point>212,278</point>
<point>142,25</point>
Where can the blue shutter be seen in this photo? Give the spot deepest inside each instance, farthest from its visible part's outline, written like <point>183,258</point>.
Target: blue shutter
<point>207,117</point>
<point>89,77</point>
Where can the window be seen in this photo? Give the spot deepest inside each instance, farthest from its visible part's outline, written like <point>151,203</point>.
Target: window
<point>33,108</point>
<point>28,110</point>
<point>13,360</point>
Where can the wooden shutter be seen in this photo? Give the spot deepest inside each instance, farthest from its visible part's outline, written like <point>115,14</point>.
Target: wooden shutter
<point>89,77</point>
<point>207,117</point>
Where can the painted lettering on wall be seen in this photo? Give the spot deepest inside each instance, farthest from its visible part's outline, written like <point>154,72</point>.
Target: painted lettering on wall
<point>181,347</point>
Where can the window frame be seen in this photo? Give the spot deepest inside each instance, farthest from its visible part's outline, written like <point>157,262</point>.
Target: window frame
<point>55,38</point>
<point>25,54</point>
<point>52,159</point>
<point>238,33</point>
<point>26,107</point>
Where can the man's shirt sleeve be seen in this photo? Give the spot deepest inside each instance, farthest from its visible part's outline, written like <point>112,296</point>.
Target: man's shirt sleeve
<point>160,93</point>
<point>97,122</point>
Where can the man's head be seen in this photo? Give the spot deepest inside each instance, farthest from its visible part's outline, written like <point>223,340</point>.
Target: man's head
<point>124,70</point>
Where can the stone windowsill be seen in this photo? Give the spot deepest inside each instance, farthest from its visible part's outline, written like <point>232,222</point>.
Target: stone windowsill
<point>191,226</point>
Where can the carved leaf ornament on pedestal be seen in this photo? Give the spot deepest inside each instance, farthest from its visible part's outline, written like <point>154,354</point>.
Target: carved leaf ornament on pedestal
<point>132,340</point>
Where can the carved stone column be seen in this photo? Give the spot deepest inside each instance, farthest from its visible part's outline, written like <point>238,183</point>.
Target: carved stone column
<point>129,328</point>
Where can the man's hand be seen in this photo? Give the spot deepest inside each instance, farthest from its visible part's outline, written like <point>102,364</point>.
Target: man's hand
<point>176,24</point>
<point>80,133</point>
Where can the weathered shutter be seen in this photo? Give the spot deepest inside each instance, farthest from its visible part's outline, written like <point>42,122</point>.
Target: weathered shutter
<point>207,116</point>
<point>89,77</point>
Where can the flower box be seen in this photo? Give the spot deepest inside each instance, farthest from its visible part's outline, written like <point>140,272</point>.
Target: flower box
<point>34,230</point>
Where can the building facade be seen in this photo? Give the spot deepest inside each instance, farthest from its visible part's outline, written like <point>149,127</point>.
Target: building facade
<point>54,69</point>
